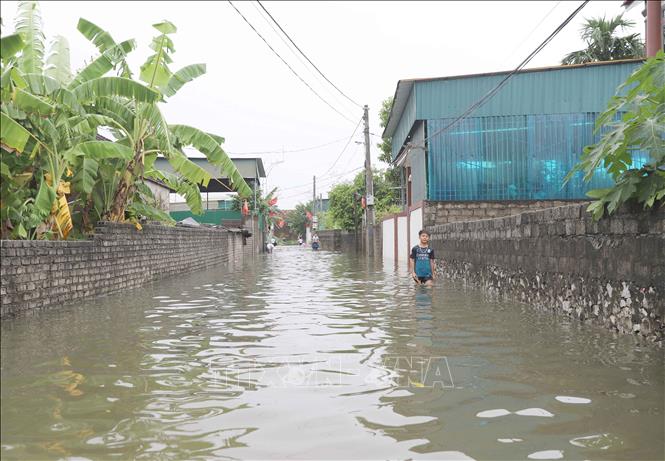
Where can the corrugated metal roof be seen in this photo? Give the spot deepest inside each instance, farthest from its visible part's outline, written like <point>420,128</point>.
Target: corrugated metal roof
<point>249,168</point>
<point>535,90</point>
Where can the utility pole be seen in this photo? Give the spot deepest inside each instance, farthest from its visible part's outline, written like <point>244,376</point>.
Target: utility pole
<point>314,197</point>
<point>654,32</point>
<point>369,186</point>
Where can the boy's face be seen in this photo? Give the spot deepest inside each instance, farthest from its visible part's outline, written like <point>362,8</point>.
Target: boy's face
<point>424,238</point>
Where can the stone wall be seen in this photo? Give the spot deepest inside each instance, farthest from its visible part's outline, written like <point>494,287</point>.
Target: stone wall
<point>610,272</point>
<point>340,240</point>
<point>41,274</point>
<point>446,212</point>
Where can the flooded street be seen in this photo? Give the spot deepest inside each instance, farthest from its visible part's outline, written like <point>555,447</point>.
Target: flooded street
<point>319,355</point>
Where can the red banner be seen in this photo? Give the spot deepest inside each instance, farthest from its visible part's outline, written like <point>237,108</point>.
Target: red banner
<point>272,201</point>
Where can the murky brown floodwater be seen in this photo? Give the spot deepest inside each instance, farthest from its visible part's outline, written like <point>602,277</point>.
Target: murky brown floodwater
<point>317,355</point>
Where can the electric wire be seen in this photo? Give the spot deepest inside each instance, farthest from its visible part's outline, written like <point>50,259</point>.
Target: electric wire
<point>322,183</point>
<point>287,64</point>
<point>271,24</point>
<point>500,85</point>
<point>321,180</point>
<point>533,30</point>
<point>289,150</point>
<point>305,56</point>
<point>344,149</point>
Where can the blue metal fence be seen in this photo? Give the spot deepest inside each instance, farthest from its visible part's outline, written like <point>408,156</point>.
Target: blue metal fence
<point>518,157</point>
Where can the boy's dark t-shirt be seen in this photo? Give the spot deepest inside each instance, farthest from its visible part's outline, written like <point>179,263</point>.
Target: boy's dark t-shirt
<point>421,257</point>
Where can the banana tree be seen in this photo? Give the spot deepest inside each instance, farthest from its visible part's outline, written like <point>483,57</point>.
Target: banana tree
<point>141,127</point>
<point>50,141</point>
<point>44,120</point>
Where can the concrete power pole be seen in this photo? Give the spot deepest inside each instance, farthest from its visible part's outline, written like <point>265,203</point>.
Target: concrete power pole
<point>369,185</point>
<point>654,32</point>
<point>314,196</point>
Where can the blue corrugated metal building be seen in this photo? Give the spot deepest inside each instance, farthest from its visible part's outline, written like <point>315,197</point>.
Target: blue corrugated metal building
<point>517,146</point>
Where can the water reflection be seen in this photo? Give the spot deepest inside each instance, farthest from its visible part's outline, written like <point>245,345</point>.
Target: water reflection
<point>320,355</point>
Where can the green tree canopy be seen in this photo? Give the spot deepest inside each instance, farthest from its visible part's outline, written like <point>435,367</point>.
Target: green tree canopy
<point>603,44</point>
<point>296,219</point>
<point>345,207</point>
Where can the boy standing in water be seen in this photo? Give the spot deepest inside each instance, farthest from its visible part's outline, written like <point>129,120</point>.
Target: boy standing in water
<point>421,261</point>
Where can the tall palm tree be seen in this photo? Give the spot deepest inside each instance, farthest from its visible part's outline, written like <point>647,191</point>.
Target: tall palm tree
<point>603,44</point>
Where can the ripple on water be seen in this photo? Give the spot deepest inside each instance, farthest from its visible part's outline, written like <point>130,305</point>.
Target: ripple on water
<point>493,413</point>
<point>597,441</point>
<point>535,412</point>
<point>575,400</point>
<point>546,454</point>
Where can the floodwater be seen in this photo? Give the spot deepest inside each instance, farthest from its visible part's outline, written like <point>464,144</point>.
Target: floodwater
<point>317,355</point>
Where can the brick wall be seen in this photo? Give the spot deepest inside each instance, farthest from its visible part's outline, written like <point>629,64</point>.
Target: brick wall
<point>446,212</point>
<point>610,272</point>
<point>40,274</point>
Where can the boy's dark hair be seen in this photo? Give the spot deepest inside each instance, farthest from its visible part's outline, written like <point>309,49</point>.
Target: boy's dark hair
<point>422,231</point>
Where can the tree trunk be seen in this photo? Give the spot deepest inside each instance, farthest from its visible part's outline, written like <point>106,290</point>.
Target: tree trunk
<point>125,189</point>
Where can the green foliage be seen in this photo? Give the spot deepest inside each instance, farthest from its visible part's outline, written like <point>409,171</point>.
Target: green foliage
<point>345,200</point>
<point>296,219</point>
<point>603,44</point>
<point>392,174</point>
<point>55,169</point>
<point>634,120</point>
<point>386,145</point>
<point>29,26</point>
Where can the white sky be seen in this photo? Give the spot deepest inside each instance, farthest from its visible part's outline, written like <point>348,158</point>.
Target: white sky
<point>252,99</point>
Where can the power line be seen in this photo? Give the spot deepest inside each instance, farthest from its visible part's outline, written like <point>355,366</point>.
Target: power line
<point>325,179</point>
<point>533,30</point>
<point>325,182</point>
<point>344,149</point>
<point>290,150</point>
<point>287,64</point>
<point>494,90</point>
<point>305,56</point>
<point>316,77</point>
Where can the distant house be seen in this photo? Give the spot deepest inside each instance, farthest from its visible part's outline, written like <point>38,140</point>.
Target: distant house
<point>161,192</point>
<point>517,146</point>
<point>217,210</point>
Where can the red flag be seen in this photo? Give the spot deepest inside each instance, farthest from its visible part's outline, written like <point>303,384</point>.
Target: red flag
<point>245,208</point>
<point>272,201</point>
<point>309,215</point>
<point>362,202</point>
<point>281,223</point>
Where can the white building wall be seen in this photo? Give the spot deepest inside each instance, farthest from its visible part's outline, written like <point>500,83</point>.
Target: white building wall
<point>388,237</point>
<point>415,224</point>
<point>402,240</point>
<point>161,194</point>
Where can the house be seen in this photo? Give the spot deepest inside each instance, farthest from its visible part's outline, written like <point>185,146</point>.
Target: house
<point>510,153</point>
<point>217,207</point>
<point>519,145</point>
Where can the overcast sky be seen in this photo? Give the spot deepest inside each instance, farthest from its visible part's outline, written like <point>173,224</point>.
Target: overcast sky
<point>252,99</point>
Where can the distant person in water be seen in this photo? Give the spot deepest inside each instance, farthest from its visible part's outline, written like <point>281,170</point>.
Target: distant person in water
<point>315,242</point>
<point>300,240</point>
<point>421,261</point>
